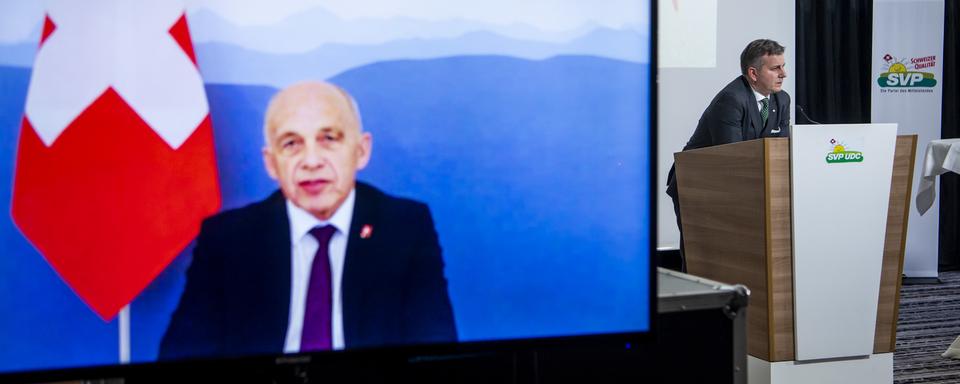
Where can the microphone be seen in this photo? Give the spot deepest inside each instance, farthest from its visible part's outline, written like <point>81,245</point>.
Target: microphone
<point>804,113</point>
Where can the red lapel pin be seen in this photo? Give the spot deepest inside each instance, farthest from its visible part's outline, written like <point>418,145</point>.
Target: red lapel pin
<point>366,231</point>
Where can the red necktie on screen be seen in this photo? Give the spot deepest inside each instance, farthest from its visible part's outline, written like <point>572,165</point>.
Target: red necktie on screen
<point>317,334</point>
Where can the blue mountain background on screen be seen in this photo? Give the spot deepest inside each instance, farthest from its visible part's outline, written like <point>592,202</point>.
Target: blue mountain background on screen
<point>536,170</point>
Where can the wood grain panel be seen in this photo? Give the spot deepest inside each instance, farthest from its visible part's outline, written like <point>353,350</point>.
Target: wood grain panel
<point>722,208</point>
<point>894,246</point>
<point>779,248</point>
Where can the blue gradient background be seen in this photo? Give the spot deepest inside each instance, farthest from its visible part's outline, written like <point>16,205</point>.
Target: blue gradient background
<point>536,173</point>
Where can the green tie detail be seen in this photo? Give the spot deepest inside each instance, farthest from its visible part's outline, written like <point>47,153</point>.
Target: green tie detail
<point>764,111</point>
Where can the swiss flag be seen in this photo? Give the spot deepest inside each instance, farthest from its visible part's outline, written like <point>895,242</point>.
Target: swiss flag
<point>115,161</point>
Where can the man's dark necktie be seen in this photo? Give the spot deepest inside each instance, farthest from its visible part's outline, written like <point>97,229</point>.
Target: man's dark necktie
<point>764,110</point>
<point>317,334</point>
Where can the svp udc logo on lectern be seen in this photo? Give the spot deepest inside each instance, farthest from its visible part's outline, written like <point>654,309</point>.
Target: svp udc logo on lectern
<point>906,75</point>
<point>841,154</point>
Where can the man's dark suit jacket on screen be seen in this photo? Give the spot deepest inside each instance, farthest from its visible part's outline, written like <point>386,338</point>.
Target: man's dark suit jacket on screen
<point>237,296</point>
<point>734,116</point>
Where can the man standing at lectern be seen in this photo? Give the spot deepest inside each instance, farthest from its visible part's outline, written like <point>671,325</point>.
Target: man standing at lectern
<point>752,106</point>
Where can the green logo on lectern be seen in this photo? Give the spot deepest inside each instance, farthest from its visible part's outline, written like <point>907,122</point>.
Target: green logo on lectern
<point>840,154</point>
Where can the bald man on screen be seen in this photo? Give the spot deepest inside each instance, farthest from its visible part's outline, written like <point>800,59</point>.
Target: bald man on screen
<point>324,263</point>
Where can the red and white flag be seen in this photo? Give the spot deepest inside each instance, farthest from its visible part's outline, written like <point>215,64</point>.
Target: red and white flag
<point>115,162</point>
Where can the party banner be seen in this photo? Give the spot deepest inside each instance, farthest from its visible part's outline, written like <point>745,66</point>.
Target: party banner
<point>906,87</point>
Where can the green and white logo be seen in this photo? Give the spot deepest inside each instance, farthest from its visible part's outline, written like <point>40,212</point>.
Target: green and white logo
<point>907,72</point>
<point>841,154</point>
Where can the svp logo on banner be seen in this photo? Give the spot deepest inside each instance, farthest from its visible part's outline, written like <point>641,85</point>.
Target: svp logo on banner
<point>907,75</point>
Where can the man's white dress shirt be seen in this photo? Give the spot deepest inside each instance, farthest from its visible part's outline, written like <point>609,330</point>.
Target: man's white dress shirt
<point>303,249</point>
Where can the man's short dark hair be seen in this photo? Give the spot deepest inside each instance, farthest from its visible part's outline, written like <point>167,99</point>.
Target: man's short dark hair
<point>756,50</point>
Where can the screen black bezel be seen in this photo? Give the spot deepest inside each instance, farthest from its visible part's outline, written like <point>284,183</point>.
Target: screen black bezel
<point>393,356</point>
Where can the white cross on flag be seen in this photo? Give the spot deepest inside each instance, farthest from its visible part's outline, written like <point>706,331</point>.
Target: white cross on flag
<point>115,161</point>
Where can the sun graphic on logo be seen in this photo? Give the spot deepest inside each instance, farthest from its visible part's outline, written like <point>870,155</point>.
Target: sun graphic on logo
<point>896,66</point>
<point>837,146</point>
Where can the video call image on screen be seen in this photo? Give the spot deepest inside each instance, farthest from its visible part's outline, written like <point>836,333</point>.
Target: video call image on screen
<point>501,153</point>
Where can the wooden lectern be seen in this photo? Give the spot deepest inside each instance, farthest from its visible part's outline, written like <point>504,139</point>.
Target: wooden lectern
<point>736,207</point>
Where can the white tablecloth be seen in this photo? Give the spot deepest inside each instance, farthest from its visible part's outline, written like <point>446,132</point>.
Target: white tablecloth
<point>942,156</point>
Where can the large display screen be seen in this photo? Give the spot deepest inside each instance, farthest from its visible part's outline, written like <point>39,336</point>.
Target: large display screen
<point>502,152</point>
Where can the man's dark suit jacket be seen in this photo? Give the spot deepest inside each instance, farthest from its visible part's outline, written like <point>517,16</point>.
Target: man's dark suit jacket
<point>237,297</point>
<point>734,116</point>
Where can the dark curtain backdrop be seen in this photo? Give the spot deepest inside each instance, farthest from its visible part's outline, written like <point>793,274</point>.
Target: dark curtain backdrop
<point>833,61</point>
<point>833,86</point>
<point>950,182</point>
